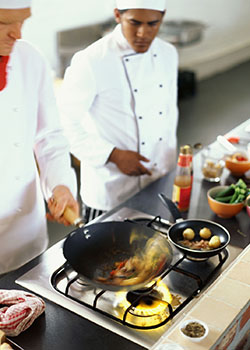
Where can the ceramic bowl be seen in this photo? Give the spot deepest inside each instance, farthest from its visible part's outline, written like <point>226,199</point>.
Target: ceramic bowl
<point>223,210</point>
<point>237,168</point>
<point>185,323</point>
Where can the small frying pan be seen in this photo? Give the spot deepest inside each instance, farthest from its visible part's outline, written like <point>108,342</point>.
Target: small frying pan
<point>175,233</point>
<point>93,250</point>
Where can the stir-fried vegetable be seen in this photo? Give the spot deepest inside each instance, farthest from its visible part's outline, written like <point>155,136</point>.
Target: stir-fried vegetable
<point>235,193</point>
<point>140,268</point>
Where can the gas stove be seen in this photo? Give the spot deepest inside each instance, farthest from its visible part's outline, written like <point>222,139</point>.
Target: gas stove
<point>142,316</point>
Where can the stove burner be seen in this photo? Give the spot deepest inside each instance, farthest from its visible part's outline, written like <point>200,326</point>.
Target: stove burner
<point>147,307</point>
<point>149,298</point>
<point>150,307</point>
<point>143,296</point>
<point>81,282</point>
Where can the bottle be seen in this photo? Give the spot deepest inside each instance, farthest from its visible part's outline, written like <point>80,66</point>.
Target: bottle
<point>190,153</point>
<point>183,180</point>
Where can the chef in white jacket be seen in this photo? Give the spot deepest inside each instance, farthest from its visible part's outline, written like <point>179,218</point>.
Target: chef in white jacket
<point>119,106</point>
<point>31,138</point>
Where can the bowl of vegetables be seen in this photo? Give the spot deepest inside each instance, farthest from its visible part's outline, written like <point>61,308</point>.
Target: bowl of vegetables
<point>238,163</point>
<point>228,201</point>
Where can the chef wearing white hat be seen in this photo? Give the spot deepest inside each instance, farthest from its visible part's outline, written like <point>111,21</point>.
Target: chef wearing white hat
<point>119,107</point>
<point>30,134</point>
<point>158,5</point>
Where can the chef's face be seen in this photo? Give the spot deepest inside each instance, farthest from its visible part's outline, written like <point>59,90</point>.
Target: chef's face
<point>139,26</point>
<point>11,22</point>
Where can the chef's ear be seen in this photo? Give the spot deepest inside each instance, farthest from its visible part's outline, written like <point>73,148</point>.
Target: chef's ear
<point>117,15</point>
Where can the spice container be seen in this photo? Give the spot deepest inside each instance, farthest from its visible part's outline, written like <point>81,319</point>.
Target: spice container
<point>212,164</point>
<point>194,330</point>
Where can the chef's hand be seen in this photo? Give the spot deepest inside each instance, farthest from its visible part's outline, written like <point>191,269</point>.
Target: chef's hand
<point>62,198</point>
<point>129,162</point>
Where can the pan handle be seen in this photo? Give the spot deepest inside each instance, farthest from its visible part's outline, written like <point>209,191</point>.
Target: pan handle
<point>72,218</point>
<point>170,206</point>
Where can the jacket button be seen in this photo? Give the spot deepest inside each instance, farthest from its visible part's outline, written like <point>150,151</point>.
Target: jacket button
<point>155,55</point>
<point>140,117</point>
<point>160,85</point>
<point>126,59</point>
<point>160,139</point>
<point>143,143</point>
<point>160,113</point>
<point>135,90</point>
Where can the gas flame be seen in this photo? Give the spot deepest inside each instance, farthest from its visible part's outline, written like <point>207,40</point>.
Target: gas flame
<point>145,314</point>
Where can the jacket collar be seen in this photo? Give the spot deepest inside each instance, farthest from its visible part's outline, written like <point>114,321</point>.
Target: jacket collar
<point>122,42</point>
<point>125,47</point>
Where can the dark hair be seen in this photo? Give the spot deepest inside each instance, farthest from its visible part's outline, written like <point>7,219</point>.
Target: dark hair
<point>122,11</point>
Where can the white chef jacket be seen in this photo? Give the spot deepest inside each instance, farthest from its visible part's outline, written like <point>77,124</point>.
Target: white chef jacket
<point>114,97</point>
<point>29,126</point>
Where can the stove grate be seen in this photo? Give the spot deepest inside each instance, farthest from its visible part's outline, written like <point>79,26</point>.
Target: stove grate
<point>61,273</point>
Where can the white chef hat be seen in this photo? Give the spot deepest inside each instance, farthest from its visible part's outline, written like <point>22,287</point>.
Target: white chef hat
<point>159,5</point>
<point>14,4</point>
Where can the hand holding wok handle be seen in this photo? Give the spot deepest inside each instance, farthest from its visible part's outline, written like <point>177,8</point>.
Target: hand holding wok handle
<point>73,218</point>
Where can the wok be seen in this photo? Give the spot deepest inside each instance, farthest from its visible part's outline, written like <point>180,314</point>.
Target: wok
<point>93,250</point>
<point>175,232</point>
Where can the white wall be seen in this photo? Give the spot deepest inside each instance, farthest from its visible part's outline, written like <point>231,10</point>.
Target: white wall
<point>226,40</point>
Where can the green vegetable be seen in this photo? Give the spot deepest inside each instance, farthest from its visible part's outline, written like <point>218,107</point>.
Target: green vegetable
<point>235,193</point>
<point>240,183</point>
<point>242,191</point>
<point>227,192</point>
<point>234,196</point>
<point>224,199</point>
<point>239,199</point>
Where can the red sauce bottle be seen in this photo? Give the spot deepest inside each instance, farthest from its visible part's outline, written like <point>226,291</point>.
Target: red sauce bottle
<point>183,180</point>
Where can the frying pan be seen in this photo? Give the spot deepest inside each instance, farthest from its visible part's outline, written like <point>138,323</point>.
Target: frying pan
<point>93,250</point>
<point>175,232</point>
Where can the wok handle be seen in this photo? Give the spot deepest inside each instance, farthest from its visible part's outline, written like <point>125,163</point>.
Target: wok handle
<point>170,206</point>
<point>72,217</point>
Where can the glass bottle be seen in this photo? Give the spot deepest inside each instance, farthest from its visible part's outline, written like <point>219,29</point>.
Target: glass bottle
<point>183,180</point>
<point>190,153</point>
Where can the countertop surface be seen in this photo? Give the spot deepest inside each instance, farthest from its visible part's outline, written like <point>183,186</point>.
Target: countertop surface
<point>59,328</point>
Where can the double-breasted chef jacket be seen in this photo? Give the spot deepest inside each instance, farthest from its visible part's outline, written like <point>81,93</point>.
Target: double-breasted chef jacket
<point>30,130</point>
<point>114,97</point>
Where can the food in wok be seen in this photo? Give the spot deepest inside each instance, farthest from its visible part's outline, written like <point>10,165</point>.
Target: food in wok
<point>140,268</point>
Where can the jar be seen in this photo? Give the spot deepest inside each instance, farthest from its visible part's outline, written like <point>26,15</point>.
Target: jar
<point>212,164</point>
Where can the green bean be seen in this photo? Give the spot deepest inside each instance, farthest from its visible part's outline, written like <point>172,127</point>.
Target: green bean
<point>223,199</point>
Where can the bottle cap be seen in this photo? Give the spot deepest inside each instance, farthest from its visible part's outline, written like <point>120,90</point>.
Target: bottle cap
<point>186,149</point>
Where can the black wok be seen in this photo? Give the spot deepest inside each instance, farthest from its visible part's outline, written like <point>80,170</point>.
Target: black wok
<point>175,233</point>
<point>93,250</point>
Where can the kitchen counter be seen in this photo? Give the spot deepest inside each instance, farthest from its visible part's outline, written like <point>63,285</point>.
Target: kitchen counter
<point>59,328</point>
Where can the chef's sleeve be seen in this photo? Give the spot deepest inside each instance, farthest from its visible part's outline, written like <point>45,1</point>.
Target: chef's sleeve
<point>75,99</point>
<point>51,146</point>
